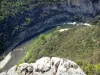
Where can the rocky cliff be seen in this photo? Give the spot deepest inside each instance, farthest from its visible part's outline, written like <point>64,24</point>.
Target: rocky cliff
<point>47,66</point>
<point>39,15</point>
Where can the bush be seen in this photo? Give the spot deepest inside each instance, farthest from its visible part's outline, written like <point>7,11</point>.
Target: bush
<point>90,69</point>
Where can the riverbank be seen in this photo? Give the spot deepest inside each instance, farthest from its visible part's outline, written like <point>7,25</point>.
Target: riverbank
<point>5,60</point>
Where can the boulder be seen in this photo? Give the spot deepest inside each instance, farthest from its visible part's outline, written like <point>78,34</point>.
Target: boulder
<point>47,66</point>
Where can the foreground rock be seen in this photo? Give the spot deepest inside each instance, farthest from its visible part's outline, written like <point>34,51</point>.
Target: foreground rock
<point>47,66</point>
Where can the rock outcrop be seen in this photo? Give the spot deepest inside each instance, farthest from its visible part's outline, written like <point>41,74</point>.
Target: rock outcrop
<point>47,66</point>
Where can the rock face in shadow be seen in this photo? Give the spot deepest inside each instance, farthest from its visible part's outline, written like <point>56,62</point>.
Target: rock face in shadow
<point>47,66</point>
<point>44,15</point>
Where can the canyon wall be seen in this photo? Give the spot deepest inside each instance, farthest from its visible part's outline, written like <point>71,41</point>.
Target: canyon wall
<point>44,15</point>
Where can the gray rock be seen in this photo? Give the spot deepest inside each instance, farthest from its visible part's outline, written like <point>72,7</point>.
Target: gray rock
<point>12,71</point>
<point>30,69</point>
<point>3,73</point>
<point>47,66</point>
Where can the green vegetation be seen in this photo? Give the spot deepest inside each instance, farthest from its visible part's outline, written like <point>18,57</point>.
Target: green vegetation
<point>11,8</point>
<point>96,21</point>
<point>90,69</point>
<point>78,17</point>
<point>81,44</point>
<point>7,7</point>
<point>17,16</point>
<point>28,21</point>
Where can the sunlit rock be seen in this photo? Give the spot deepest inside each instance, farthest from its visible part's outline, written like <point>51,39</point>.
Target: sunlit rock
<point>47,66</point>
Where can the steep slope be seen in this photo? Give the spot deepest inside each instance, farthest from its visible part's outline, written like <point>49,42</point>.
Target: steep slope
<point>20,19</point>
<point>81,44</point>
<point>75,43</point>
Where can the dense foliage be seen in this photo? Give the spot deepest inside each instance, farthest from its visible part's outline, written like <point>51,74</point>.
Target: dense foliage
<point>9,8</point>
<point>81,44</point>
<point>17,16</point>
<point>12,7</point>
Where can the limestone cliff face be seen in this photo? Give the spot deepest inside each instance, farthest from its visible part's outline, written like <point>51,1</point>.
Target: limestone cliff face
<point>81,6</point>
<point>46,15</point>
<point>88,6</point>
<point>47,66</point>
